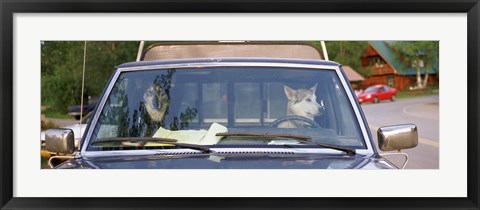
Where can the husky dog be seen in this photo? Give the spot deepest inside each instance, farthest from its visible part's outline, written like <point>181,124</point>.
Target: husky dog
<point>302,102</point>
<point>156,102</point>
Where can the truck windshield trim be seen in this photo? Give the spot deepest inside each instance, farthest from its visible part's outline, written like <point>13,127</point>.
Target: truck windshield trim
<point>232,64</point>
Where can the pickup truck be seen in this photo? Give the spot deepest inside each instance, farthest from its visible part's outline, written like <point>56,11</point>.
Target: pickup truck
<point>196,110</point>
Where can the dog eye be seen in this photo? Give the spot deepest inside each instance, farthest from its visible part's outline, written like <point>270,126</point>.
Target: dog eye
<point>308,100</point>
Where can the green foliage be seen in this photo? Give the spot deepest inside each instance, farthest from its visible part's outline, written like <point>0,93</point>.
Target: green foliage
<point>416,93</point>
<point>348,53</point>
<point>411,53</point>
<point>62,65</point>
<point>51,112</point>
<point>59,89</point>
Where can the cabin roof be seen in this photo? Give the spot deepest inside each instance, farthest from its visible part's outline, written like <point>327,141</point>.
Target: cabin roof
<point>352,75</point>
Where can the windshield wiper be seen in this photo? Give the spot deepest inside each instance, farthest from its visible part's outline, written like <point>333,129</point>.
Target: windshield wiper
<point>266,135</point>
<point>343,149</point>
<point>299,138</point>
<point>144,140</point>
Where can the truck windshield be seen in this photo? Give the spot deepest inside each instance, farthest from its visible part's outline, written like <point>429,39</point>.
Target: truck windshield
<point>193,105</point>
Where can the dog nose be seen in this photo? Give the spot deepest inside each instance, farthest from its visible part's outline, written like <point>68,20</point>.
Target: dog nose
<point>321,108</point>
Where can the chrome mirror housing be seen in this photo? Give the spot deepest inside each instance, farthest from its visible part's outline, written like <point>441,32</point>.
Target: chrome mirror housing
<point>60,141</point>
<point>397,137</point>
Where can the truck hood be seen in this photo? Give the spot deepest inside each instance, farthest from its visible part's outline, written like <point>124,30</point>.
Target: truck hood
<point>236,161</point>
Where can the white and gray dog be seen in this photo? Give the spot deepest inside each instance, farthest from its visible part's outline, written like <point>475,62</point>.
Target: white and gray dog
<point>302,102</point>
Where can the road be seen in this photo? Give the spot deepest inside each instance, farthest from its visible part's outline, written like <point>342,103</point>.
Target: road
<point>421,111</point>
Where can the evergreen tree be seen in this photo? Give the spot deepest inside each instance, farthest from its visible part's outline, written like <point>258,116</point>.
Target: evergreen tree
<point>348,53</point>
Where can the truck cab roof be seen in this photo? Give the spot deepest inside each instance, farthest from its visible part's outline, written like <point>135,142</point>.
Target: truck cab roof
<point>228,60</point>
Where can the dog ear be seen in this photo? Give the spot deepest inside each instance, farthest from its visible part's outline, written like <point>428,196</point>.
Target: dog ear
<point>314,88</point>
<point>291,93</point>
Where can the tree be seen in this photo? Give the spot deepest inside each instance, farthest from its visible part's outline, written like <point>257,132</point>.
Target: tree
<point>418,54</point>
<point>348,53</point>
<point>62,66</point>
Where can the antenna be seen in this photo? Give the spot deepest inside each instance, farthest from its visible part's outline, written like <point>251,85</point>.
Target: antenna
<point>83,84</point>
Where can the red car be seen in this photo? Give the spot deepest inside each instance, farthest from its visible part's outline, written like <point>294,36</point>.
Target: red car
<point>377,93</point>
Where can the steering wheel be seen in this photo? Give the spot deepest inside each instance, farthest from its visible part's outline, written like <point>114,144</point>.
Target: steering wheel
<point>311,123</point>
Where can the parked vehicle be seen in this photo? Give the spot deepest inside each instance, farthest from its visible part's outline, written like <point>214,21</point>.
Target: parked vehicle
<point>229,113</point>
<point>377,93</point>
<point>75,111</point>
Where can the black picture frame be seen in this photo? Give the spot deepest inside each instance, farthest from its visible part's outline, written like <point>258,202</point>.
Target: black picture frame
<point>10,7</point>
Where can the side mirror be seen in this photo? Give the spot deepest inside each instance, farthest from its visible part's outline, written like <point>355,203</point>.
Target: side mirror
<point>397,137</point>
<point>60,141</point>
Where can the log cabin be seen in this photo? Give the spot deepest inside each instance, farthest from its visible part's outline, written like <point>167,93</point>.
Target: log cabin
<point>387,69</point>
